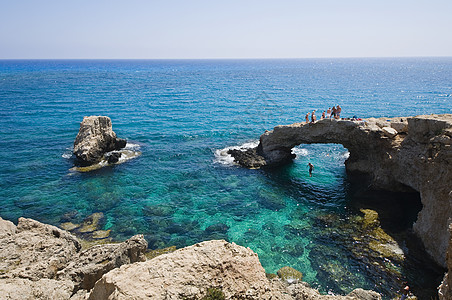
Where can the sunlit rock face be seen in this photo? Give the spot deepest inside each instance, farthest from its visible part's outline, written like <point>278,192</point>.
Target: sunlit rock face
<point>395,154</point>
<point>95,138</point>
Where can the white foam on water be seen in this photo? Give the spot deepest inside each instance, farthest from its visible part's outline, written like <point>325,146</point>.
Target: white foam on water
<point>222,156</point>
<point>300,152</point>
<point>345,155</point>
<point>130,151</point>
<point>67,155</point>
<point>132,146</point>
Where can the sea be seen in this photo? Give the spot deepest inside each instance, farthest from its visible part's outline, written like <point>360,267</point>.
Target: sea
<point>180,117</point>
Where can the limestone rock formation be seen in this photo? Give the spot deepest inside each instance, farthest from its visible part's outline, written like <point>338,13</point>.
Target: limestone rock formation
<point>39,261</point>
<point>445,289</point>
<point>190,273</point>
<point>95,138</point>
<point>7,227</point>
<point>36,251</point>
<point>45,289</point>
<point>187,274</point>
<point>395,154</point>
<point>89,265</point>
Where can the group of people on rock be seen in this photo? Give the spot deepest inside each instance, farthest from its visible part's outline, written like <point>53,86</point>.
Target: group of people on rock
<point>334,112</point>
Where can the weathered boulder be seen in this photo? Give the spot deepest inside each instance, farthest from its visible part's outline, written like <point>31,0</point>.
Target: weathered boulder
<point>36,251</point>
<point>419,159</point>
<point>44,289</point>
<point>89,265</point>
<point>39,261</point>
<point>95,138</point>
<point>389,132</point>
<point>7,227</point>
<point>249,158</point>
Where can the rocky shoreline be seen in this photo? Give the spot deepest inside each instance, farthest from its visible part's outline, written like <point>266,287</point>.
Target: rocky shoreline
<point>40,261</point>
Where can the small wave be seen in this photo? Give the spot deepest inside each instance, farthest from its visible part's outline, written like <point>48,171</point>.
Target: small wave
<point>67,155</point>
<point>345,155</point>
<point>132,146</point>
<point>300,152</point>
<point>222,156</point>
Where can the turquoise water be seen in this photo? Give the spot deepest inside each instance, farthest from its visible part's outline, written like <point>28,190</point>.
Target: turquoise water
<point>181,114</point>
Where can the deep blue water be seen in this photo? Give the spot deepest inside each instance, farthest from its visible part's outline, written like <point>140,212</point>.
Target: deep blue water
<point>181,113</point>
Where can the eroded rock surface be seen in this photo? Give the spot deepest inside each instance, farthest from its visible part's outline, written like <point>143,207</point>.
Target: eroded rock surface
<point>445,289</point>
<point>189,273</point>
<point>39,261</point>
<point>95,138</point>
<point>395,154</point>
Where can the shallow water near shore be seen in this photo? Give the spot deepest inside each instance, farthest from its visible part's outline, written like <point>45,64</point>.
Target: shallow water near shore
<point>182,189</point>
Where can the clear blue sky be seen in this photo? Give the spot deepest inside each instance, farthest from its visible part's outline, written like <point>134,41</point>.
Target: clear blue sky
<point>226,29</point>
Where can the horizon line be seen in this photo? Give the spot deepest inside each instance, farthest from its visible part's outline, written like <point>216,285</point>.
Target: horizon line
<point>238,58</point>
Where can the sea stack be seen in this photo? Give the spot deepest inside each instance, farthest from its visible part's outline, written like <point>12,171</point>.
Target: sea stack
<point>95,138</point>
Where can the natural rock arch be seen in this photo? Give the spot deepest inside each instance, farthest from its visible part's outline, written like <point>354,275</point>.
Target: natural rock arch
<point>394,154</point>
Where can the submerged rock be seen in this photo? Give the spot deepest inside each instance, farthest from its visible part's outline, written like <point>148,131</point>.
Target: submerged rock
<point>95,138</point>
<point>114,157</point>
<point>290,275</point>
<point>91,223</point>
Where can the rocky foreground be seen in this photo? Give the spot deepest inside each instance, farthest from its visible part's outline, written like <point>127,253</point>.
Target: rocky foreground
<point>39,261</point>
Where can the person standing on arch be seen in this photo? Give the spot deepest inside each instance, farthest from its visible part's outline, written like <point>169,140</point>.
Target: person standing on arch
<point>333,112</point>
<point>313,117</point>
<point>338,112</point>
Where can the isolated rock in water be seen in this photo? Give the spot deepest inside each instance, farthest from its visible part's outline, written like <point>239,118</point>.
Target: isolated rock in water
<point>114,157</point>
<point>95,138</point>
